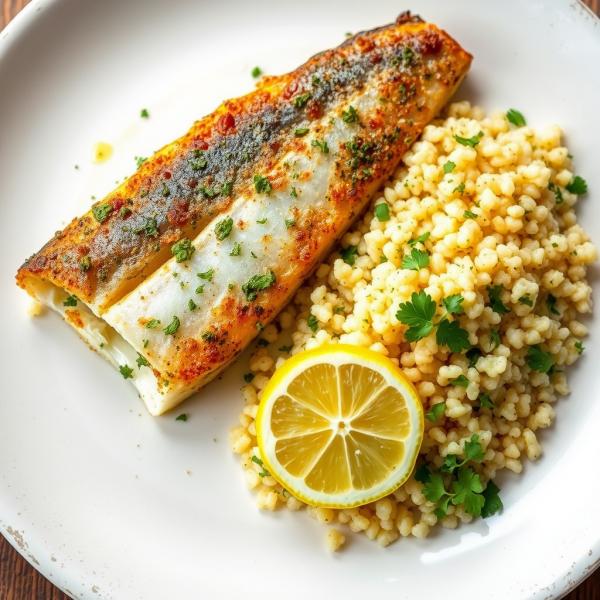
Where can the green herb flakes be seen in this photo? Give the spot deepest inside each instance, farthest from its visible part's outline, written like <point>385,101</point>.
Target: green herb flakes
<point>126,371</point>
<point>101,212</point>
<point>262,185</point>
<point>257,283</point>
<point>382,212</point>
<point>515,117</point>
<point>223,228</point>
<point>172,327</point>
<point>70,301</point>
<point>183,250</point>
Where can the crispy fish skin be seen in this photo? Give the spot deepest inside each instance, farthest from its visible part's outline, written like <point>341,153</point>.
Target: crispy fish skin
<point>322,178</point>
<point>105,254</point>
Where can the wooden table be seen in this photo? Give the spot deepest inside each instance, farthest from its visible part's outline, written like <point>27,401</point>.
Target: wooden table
<point>20,581</point>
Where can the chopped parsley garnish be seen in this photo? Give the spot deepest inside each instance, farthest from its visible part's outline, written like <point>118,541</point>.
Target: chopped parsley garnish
<point>209,336</point>
<point>141,361</point>
<point>435,412</point>
<point>145,342</point>
<point>290,223</point>
<point>223,228</point>
<point>449,167</point>
<point>192,305</point>
<point>70,301</point>
<point>382,212</point>
<point>349,255</point>
<point>287,349</point>
<point>579,347</point>
<point>301,131</point>
<point>515,117</point>
<point>538,360</point>
<point>557,193</point>
<point>485,400</point>
<point>473,451</point>
<point>256,72</point>
<point>85,264</point>
<point>226,189</point>
<point>237,249</point>
<point>460,188</point>
<point>416,260</point>
<point>312,323</point>
<point>577,186</point>
<point>101,212</point>
<point>321,144</point>
<point>461,380</point>
<point>262,342</point>
<point>125,211</point>
<point>144,113</point>
<point>474,354</point>
<point>467,489</point>
<point>208,275</point>
<point>257,283</point>
<point>526,300</point>
<point>262,221</point>
<point>248,377</point>
<point>350,116</point>
<point>294,193</point>
<point>407,55</point>
<point>492,502</point>
<point>495,338</point>
<point>183,250</point>
<point>199,162</point>
<point>150,228</point>
<point>316,81</point>
<point>301,101</point>
<point>140,160</point>
<point>339,309</point>
<point>262,185</point>
<point>471,142</point>
<point>453,304</point>
<point>152,324</point>
<point>495,302</point>
<point>418,314</point>
<point>469,215</point>
<point>165,190</point>
<point>200,289</point>
<point>260,463</point>
<point>172,327</point>
<point>551,304</point>
<point>420,240</point>
<point>126,371</point>
<point>182,417</point>
<point>253,255</point>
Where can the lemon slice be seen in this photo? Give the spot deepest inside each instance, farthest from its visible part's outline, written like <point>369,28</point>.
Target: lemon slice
<point>339,426</point>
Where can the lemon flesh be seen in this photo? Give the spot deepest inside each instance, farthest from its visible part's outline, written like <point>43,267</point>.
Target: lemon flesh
<point>339,426</point>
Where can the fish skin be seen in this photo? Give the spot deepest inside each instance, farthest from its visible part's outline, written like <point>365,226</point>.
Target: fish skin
<point>244,136</point>
<point>332,189</point>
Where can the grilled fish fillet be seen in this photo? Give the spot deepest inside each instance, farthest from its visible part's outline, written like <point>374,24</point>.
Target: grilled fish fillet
<point>180,267</point>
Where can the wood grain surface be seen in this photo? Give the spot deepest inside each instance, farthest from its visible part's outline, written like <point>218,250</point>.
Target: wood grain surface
<point>20,581</point>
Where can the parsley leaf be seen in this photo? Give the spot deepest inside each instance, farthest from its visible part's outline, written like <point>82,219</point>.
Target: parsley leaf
<point>515,117</point>
<point>72,301</point>
<point>101,212</point>
<point>382,212</point>
<point>474,354</point>
<point>223,228</point>
<point>287,349</point>
<point>85,264</point>
<point>349,255</point>
<point>301,101</point>
<point>472,451</point>
<point>192,305</point>
<point>172,327</point>
<point>182,250</point>
<point>350,116</point>
<point>208,275</point>
<point>237,249</point>
<point>418,315</point>
<point>449,167</point>
<point>209,336</point>
<point>492,503</point>
<point>453,304</point>
<point>526,300</point>
<point>126,371</point>
<point>416,260</point>
<point>313,323</point>
<point>422,474</point>
<point>577,186</point>
<point>144,113</point>
<point>150,228</point>
<point>248,377</point>
<point>262,185</point>
<point>495,338</point>
<point>257,283</point>
<point>434,489</point>
<point>321,144</point>
<point>152,324</point>
<point>260,463</point>
<point>182,417</point>
<point>468,489</point>
<point>579,347</point>
<point>470,215</point>
<point>495,302</point>
<point>256,72</point>
<point>551,304</point>
<point>452,335</point>
<point>301,131</point>
<point>471,142</point>
<point>435,412</point>
<point>420,240</point>
<point>485,400</point>
<point>538,360</point>
<point>141,361</point>
<point>290,223</point>
<point>461,380</point>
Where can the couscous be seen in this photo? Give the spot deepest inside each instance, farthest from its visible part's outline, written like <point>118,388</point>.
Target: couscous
<point>481,211</point>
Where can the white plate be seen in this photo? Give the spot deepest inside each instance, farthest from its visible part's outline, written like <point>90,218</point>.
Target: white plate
<point>97,493</point>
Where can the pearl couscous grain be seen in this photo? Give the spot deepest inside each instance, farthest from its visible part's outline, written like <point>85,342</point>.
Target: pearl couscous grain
<point>495,214</point>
